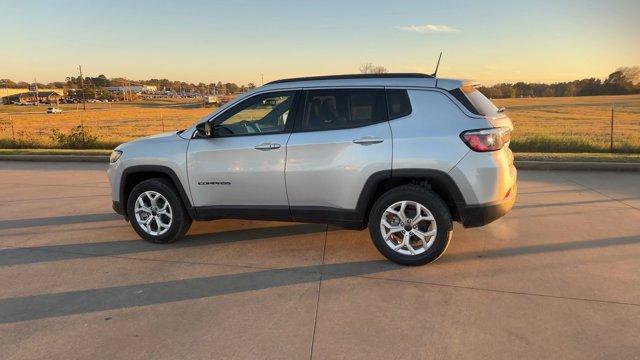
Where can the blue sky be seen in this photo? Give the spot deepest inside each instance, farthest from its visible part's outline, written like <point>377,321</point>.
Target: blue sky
<point>491,41</point>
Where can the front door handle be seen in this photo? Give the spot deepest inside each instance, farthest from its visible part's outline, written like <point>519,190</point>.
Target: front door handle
<point>368,140</point>
<point>267,146</point>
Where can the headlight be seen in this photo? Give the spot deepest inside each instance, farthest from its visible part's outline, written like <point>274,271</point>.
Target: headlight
<point>115,155</point>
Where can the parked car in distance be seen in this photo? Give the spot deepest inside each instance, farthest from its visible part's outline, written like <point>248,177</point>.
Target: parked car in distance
<point>402,154</point>
<point>53,110</point>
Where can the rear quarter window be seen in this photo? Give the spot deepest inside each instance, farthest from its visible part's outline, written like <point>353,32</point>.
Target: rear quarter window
<point>481,103</point>
<point>474,101</point>
<point>398,103</point>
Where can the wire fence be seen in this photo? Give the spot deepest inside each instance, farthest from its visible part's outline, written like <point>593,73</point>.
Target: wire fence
<point>602,124</point>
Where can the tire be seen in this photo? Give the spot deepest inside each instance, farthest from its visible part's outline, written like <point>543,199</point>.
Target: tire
<point>179,218</point>
<point>434,214</point>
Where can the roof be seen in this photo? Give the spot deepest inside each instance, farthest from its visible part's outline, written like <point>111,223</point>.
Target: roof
<point>33,93</point>
<point>406,80</point>
<point>353,76</point>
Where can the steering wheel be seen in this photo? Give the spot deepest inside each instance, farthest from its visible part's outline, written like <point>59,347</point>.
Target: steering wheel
<point>250,125</point>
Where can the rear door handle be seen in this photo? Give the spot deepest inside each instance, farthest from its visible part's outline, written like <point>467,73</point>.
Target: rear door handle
<point>368,140</point>
<point>267,146</point>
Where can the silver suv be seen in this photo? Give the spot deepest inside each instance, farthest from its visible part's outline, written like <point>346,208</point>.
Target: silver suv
<point>404,154</point>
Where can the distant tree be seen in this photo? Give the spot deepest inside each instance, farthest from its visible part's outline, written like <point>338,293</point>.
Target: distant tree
<point>56,85</point>
<point>221,88</point>
<point>631,74</point>
<point>232,88</point>
<point>6,83</point>
<point>101,81</point>
<point>369,68</point>
<point>570,90</point>
<point>548,92</point>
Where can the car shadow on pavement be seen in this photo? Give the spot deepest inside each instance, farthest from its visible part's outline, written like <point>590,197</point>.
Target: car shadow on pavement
<point>57,220</point>
<point>38,254</point>
<point>572,203</point>
<point>542,248</point>
<point>40,166</point>
<point>121,297</point>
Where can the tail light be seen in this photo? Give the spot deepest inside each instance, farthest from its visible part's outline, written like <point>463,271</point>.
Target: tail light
<point>486,139</point>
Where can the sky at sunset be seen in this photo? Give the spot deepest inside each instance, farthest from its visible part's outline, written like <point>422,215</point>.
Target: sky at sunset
<point>236,41</point>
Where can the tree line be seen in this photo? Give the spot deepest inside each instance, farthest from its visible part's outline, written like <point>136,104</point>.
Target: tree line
<point>101,81</point>
<point>623,81</point>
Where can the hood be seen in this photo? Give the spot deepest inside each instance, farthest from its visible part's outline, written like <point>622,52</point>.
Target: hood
<point>152,139</point>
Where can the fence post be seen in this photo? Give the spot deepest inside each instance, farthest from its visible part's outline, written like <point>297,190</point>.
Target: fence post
<point>13,133</point>
<point>611,132</point>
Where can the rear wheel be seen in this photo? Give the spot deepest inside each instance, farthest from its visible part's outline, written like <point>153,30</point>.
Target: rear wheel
<point>410,225</point>
<point>156,212</point>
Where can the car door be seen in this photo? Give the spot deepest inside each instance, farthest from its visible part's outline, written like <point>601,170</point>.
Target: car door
<point>242,165</point>
<point>340,139</point>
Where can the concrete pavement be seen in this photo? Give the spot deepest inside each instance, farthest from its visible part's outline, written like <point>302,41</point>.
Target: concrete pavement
<point>557,277</point>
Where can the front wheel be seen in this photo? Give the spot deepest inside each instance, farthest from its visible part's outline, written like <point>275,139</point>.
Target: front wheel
<point>156,212</point>
<point>410,225</point>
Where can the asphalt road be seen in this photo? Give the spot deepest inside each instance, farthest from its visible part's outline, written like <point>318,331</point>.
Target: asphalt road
<point>558,277</point>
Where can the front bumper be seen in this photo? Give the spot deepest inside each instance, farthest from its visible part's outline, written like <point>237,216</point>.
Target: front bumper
<point>483,214</point>
<point>117,207</point>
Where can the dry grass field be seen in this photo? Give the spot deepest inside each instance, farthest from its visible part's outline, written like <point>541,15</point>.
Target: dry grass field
<point>575,124</point>
<point>113,124</point>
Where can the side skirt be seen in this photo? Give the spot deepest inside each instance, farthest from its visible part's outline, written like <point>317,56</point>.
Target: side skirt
<point>350,219</point>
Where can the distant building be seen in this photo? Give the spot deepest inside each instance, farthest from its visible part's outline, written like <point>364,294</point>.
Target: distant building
<point>11,91</point>
<point>211,100</point>
<point>136,89</point>
<point>48,97</point>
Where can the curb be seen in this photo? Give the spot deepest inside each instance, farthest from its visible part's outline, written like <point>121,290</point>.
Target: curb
<point>520,164</point>
<point>576,165</point>
<point>56,158</point>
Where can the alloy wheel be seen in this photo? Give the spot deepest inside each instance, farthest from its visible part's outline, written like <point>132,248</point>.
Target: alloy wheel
<point>408,228</point>
<point>153,213</point>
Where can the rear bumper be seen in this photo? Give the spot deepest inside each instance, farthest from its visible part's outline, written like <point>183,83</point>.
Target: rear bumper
<point>483,214</point>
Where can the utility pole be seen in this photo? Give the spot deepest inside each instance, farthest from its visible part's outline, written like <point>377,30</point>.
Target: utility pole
<point>261,79</point>
<point>84,101</point>
<point>35,84</point>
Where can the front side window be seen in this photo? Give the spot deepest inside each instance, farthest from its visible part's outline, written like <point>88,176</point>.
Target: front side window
<point>340,109</point>
<point>261,114</point>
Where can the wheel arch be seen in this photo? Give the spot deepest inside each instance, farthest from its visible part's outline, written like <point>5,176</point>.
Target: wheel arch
<point>133,175</point>
<point>435,180</point>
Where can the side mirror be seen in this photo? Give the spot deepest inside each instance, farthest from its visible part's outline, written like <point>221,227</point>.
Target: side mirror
<point>205,129</point>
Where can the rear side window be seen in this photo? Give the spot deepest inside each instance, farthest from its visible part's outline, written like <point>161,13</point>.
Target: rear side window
<point>340,109</point>
<point>398,103</point>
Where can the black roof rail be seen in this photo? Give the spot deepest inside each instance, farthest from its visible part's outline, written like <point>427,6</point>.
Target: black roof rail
<point>353,76</point>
